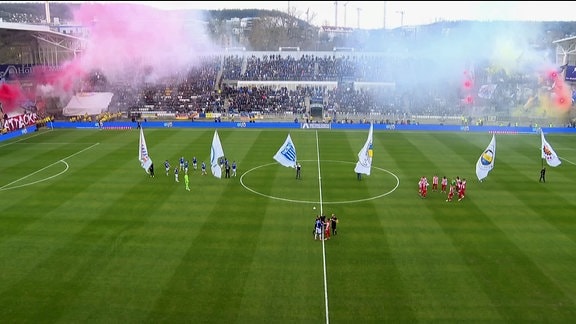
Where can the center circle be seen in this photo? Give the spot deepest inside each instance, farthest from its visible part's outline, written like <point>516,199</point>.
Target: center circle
<point>303,201</point>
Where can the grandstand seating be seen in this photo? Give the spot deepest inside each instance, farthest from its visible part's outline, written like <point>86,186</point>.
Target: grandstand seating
<point>354,85</point>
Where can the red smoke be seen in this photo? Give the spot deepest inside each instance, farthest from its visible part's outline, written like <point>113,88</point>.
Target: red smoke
<point>126,38</point>
<point>127,42</point>
<point>55,82</point>
<point>10,96</point>
<point>560,91</point>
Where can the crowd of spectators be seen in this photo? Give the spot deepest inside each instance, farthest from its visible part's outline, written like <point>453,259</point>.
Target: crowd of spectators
<point>216,86</point>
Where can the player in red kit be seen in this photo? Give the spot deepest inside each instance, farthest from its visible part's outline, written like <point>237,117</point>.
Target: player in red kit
<point>462,190</point>
<point>444,183</point>
<point>424,187</point>
<point>450,193</point>
<point>435,183</point>
<point>420,186</point>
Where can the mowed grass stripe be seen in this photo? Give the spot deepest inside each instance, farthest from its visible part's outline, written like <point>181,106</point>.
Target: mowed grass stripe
<point>145,259</point>
<point>41,165</point>
<point>547,247</point>
<point>369,284</point>
<point>553,197</point>
<point>226,237</point>
<point>493,287</point>
<point>31,157</point>
<point>153,247</point>
<point>284,263</point>
<point>339,180</point>
<point>425,239</point>
<point>462,215</point>
<point>221,253</point>
<point>505,273</point>
<point>36,200</point>
<point>372,277</point>
<point>84,237</point>
<point>550,197</point>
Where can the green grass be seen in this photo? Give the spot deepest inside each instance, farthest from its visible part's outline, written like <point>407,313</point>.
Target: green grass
<point>87,236</point>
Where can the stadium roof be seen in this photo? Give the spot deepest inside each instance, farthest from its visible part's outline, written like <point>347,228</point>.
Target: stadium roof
<point>564,40</point>
<point>28,37</point>
<point>24,27</point>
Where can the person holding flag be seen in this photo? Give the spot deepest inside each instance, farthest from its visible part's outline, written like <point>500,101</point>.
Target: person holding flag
<point>548,153</point>
<point>486,161</point>
<point>216,153</point>
<point>298,170</point>
<point>143,157</point>
<point>286,155</point>
<point>542,175</point>
<point>365,155</point>
<point>151,170</point>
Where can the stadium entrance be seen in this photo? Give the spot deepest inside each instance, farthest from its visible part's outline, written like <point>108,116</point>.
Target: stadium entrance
<point>317,108</point>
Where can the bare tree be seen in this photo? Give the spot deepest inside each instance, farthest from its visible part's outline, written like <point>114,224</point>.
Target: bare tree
<point>283,30</point>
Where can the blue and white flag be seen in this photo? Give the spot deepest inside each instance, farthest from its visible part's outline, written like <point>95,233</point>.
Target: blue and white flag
<point>548,153</point>
<point>143,157</point>
<point>486,161</point>
<point>216,153</point>
<point>286,155</point>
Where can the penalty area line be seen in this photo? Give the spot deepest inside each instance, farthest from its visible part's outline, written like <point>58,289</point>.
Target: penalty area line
<point>46,167</point>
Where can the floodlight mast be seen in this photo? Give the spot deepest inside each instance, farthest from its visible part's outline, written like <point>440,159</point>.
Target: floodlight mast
<point>345,6</point>
<point>335,13</point>
<point>47,10</point>
<point>384,16</point>
<point>401,12</point>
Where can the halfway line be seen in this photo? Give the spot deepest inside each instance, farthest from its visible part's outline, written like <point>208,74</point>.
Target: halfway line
<point>322,236</point>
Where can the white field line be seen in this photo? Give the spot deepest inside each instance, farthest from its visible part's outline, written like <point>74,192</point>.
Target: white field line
<point>46,167</point>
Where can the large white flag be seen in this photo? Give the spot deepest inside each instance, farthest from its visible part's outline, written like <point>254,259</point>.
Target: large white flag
<point>215,154</point>
<point>549,154</point>
<point>145,160</point>
<point>286,155</point>
<point>364,163</point>
<point>485,163</point>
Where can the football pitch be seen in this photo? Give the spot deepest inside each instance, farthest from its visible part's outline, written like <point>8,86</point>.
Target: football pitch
<point>86,235</point>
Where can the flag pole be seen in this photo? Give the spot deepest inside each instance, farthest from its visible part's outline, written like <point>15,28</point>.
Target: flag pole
<point>541,157</point>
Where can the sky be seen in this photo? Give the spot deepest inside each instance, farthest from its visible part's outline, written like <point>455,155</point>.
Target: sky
<point>391,14</point>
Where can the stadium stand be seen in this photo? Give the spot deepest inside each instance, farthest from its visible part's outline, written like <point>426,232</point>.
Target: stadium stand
<point>354,86</point>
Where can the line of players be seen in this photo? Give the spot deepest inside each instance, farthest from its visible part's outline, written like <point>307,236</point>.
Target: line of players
<point>184,165</point>
<point>457,186</point>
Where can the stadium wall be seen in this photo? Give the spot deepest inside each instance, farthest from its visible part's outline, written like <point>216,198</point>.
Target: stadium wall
<point>333,126</point>
<point>284,125</point>
<point>17,133</point>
